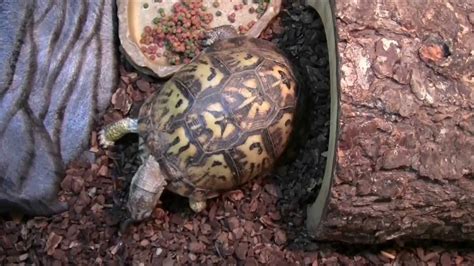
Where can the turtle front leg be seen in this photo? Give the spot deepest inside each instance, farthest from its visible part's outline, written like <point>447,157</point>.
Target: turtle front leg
<point>115,131</point>
<point>197,205</point>
<point>146,188</point>
<point>219,33</point>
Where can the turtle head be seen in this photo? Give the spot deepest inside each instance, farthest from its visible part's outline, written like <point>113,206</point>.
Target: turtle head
<point>219,33</point>
<point>145,190</point>
<point>140,207</point>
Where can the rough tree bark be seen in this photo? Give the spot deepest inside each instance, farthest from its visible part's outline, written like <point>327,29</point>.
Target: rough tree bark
<point>404,152</point>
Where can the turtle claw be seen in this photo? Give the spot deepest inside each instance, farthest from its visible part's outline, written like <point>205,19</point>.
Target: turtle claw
<point>116,130</point>
<point>103,141</point>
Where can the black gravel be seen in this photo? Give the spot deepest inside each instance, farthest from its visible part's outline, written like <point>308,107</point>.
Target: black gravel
<point>300,177</point>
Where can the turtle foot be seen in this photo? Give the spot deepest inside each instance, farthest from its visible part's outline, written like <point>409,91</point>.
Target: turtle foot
<point>116,130</point>
<point>197,206</point>
<point>103,141</point>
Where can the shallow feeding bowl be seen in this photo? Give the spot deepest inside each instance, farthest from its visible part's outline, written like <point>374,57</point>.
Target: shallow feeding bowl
<point>163,35</point>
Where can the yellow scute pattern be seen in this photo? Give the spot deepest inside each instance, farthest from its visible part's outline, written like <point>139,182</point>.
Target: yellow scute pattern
<point>280,132</point>
<point>213,173</point>
<point>254,157</point>
<point>169,103</point>
<point>278,84</point>
<point>180,149</point>
<point>250,107</point>
<point>211,128</point>
<point>204,72</point>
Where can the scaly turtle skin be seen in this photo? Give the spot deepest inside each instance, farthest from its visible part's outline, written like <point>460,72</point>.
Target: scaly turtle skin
<point>220,121</point>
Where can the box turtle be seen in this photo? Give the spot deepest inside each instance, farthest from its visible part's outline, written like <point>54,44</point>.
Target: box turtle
<point>220,121</point>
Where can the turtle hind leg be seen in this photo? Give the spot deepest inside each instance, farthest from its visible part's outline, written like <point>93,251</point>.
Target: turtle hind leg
<point>197,205</point>
<point>219,33</point>
<point>116,130</point>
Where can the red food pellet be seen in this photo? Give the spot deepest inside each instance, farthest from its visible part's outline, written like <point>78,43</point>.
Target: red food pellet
<point>231,18</point>
<point>179,32</point>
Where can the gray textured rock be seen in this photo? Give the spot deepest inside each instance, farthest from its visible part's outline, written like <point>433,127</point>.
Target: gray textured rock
<point>58,73</point>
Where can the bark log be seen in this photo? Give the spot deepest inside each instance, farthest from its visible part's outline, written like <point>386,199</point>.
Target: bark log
<point>403,152</point>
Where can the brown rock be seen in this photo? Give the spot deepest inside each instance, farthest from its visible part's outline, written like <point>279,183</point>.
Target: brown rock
<point>280,237</point>
<point>23,257</point>
<point>52,242</point>
<point>272,190</point>
<point>233,222</point>
<point>205,229</point>
<point>192,257</point>
<point>238,233</point>
<point>445,259</point>
<point>241,251</point>
<point>189,226</point>
<point>77,184</point>
<point>121,101</point>
<point>144,85</point>
<point>196,247</point>
<point>72,231</point>
<point>236,195</point>
<point>103,170</point>
<point>144,243</point>
<point>66,183</point>
<point>251,262</point>
<point>59,254</point>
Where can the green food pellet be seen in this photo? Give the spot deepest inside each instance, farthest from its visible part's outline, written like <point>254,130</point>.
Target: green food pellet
<point>245,2</point>
<point>215,4</point>
<point>145,5</point>
<point>156,20</point>
<point>218,13</point>
<point>203,8</point>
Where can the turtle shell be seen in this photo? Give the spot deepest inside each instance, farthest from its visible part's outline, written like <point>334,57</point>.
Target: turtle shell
<point>223,119</point>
